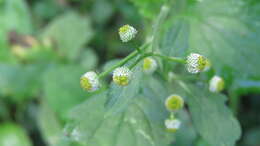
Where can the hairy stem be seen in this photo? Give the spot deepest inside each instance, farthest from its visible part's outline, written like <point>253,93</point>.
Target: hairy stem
<point>173,59</point>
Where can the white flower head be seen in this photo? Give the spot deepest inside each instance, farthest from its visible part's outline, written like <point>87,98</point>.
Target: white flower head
<point>127,33</point>
<point>172,125</point>
<point>122,76</point>
<point>89,81</point>
<point>216,84</point>
<point>197,63</point>
<point>149,65</point>
<point>174,102</point>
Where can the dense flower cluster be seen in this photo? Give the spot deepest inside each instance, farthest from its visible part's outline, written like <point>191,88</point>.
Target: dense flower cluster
<point>122,76</point>
<point>197,63</point>
<point>174,103</point>
<point>89,81</point>
<point>127,33</point>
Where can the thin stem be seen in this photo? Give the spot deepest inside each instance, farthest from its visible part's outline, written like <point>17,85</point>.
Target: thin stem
<point>124,61</point>
<point>139,59</point>
<point>234,101</point>
<point>173,59</point>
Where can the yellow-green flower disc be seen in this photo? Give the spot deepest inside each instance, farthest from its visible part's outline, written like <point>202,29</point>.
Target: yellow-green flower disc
<point>89,81</point>
<point>122,76</point>
<point>174,102</point>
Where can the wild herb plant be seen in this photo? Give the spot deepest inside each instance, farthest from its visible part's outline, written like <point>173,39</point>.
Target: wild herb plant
<point>129,73</point>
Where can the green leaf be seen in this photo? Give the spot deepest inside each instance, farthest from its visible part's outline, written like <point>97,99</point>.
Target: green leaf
<point>211,117</point>
<point>71,31</point>
<point>49,125</point>
<point>148,8</point>
<point>61,88</point>
<point>224,31</point>
<point>120,96</point>
<point>88,59</point>
<point>140,124</point>
<point>13,79</point>
<point>13,134</point>
<point>101,11</point>
<point>15,16</point>
<point>128,128</point>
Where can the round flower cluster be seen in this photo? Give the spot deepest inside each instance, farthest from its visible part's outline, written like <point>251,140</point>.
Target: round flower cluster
<point>216,84</point>
<point>174,102</point>
<point>149,65</point>
<point>122,76</point>
<point>89,81</point>
<point>127,33</point>
<point>197,63</point>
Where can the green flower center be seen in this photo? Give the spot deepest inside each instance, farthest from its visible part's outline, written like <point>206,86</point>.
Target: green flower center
<point>147,64</point>
<point>124,29</point>
<point>202,63</point>
<point>121,80</point>
<point>85,84</point>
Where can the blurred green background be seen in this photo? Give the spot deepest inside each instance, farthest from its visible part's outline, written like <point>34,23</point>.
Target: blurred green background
<point>46,45</point>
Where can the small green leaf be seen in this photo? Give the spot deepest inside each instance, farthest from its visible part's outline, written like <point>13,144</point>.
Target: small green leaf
<point>148,8</point>
<point>13,79</point>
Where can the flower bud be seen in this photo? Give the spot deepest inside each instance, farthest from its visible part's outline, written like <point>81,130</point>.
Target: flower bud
<point>216,84</point>
<point>127,33</point>
<point>174,103</point>
<point>122,76</point>
<point>172,125</point>
<point>89,81</point>
<point>149,65</point>
<point>197,63</point>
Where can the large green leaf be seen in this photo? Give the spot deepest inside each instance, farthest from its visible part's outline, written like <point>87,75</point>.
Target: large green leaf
<point>225,31</point>
<point>140,124</point>
<point>61,88</point>
<point>211,117</point>
<point>71,31</point>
